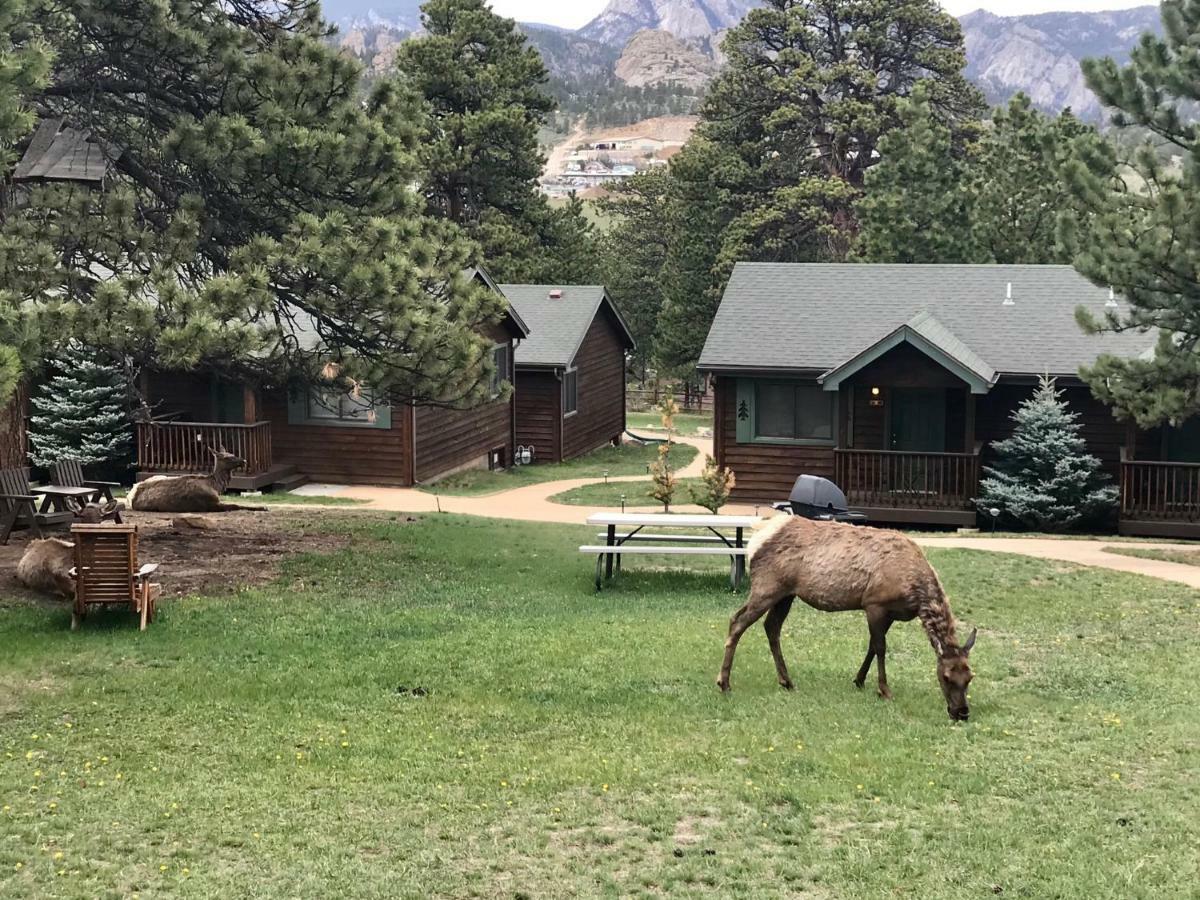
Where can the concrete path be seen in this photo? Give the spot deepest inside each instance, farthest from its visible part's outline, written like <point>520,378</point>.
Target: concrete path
<point>1083,553</point>
<point>529,503</point>
<point>532,503</point>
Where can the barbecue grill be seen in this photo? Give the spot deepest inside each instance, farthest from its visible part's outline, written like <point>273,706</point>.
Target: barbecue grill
<point>819,498</point>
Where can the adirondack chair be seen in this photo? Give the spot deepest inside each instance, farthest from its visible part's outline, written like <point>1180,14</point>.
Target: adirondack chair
<point>19,505</point>
<point>106,572</point>
<point>69,473</point>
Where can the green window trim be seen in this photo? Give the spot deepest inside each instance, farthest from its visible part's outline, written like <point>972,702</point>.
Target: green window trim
<point>746,415</point>
<point>299,413</point>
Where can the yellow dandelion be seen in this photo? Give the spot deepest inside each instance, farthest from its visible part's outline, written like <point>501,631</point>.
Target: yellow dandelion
<point>858,787</point>
<point>37,773</point>
<point>18,866</point>
<point>504,784</point>
<point>770,749</point>
<point>345,743</point>
<point>58,855</point>
<point>1116,776</point>
<point>187,871</point>
<point>53,805</point>
<point>162,868</point>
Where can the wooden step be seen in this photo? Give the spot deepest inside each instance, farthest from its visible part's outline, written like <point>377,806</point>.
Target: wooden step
<point>290,483</point>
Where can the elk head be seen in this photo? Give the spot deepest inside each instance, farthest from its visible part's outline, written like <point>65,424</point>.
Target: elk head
<point>91,513</point>
<point>954,675</point>
<point>224,461</point>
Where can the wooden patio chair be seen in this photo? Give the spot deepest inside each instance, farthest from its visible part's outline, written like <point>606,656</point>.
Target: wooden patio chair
<point>19,505</point>
<point>69,473</point>
<point>107,572</point>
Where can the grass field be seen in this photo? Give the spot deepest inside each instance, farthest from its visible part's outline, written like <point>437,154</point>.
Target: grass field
<point>636,493</point>
<point>445,708</point>
<point>628,459</point>
<point>687,424</point>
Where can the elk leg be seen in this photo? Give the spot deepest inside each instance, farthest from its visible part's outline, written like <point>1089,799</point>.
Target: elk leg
<point>879,622</point>
<point>756,607</point>
<point>861,677</point>
<point>773,627</point>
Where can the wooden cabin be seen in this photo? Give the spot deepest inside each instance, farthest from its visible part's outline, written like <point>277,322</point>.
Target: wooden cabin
<point>570,371</point>
<point>895,381</point>
<point>288,437</point>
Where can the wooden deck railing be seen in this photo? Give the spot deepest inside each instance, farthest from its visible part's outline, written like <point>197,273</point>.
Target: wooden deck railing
<point>905,480</point>
<point>183,446</point>
<point>1160,490</point>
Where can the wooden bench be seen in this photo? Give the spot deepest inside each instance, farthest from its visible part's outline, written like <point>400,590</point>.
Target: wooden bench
<point>19,505</point>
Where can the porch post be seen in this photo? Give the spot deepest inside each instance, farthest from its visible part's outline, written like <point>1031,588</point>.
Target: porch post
<point>969,419</point>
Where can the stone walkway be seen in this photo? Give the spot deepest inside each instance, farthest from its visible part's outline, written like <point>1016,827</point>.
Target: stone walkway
<point>532,503</point>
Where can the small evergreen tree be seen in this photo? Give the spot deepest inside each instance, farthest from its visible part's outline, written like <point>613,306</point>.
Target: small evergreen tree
<point>661,472</point>
<point>80,414</point>
<point>716,484</point>
<point>1045,478</point>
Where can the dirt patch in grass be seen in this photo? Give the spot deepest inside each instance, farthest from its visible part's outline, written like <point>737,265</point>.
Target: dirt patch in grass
<point>225,552</point>
<point>14,690</point>
<point>1188,557</point>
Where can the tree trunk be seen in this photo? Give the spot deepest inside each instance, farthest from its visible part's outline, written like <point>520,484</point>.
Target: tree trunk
<point>12,431</point>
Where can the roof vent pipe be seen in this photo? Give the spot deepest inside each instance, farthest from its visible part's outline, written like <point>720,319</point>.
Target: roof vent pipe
<point>556,294</point>
<point>1112,299</point>
<point>1008,300</point>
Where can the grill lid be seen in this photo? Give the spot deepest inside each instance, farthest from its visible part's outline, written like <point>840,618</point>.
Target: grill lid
<point>822,493</point>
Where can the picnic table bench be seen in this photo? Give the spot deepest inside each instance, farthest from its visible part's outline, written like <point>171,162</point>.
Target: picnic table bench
<point>720,536</point>
<point>36,507</point>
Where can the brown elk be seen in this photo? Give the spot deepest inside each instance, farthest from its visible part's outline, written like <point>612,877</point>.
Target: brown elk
<point>189,493</point>
<point>46,564</point>
<point>836,568</point>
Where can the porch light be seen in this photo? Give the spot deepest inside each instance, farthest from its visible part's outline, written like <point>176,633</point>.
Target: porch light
<point>876,397</point>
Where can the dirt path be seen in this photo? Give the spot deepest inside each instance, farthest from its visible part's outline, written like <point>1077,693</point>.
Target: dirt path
<point>557,157</point>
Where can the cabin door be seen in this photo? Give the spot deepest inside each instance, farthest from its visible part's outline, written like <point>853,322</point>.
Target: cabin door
<point>918,420</point>
<point>229,401</point>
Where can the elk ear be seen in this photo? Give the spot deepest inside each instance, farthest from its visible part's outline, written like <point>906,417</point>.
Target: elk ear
<point>212,450</point>
<point>75,506</point>
<point>966,648</point>
<point>110,507</point>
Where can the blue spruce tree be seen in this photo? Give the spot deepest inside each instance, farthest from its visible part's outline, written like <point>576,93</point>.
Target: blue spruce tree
<point>1044,477</point>
<point>80,414</point>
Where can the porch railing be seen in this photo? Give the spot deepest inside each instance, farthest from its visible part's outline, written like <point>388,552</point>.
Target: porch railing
<point>1160,490</point>
<point>183,446</point>
<point>906,480</point>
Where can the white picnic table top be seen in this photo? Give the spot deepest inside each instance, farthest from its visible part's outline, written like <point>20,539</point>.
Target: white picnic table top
<point>671,520</point>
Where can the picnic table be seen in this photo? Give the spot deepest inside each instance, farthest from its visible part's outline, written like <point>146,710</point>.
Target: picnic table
<point>628,533</point>
<point>54,497</point>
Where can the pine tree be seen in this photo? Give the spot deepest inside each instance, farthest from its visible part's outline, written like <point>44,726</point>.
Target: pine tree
<point>1143,239</point>
<point>24,64</point>
<point>1044,478</point>
<point>484,88</point>
<point>259,220</point>
<point>915,209</point>
<point>81,413</point>
<point>716,484</point>
<point>662,475</point>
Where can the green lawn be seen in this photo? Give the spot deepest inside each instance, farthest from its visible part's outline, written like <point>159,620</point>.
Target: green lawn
<point>628,459</point>
<point>273,743</point>
<point>635,493</point>
<point>1189,557</point>
<point>284,498</point>
<point>687,424</point>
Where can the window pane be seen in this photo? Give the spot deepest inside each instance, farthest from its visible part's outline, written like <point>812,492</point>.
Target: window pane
<point>776,410</point>
<point>357,408</point>
<point>814,413</point>
<point>324,404</point>
<point>500,375</point>
<point>570,392</point>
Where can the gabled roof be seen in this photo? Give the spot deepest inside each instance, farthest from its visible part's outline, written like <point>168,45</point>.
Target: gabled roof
<point>932,338</point>
<point>511,317</point>
<point>558,325</point>
<point>816,318</point>
<point>56,153</point>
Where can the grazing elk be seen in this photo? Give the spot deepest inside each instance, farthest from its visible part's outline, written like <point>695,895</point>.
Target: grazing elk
<point>46,564</point>
<point>189,493</point>
<point>836,568</point>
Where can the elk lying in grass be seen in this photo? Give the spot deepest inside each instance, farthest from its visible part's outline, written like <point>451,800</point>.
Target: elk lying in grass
<point>189,493</point>
<point>836,568</point>
<point>46,564</point>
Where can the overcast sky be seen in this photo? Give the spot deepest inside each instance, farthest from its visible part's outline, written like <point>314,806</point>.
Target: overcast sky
<point>573,13</point>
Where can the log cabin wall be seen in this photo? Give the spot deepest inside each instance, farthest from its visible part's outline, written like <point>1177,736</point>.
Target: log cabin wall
<point>764,472</point>
<point>539,414</point>
<point>600,362</point>
<point>450,440</point>
<point>342,454</point>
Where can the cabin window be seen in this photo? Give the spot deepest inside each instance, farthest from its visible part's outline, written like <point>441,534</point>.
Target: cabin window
<point>785,412</point>
<point>348,409</point>
<point>502,360</point>
<point>570,392</point>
